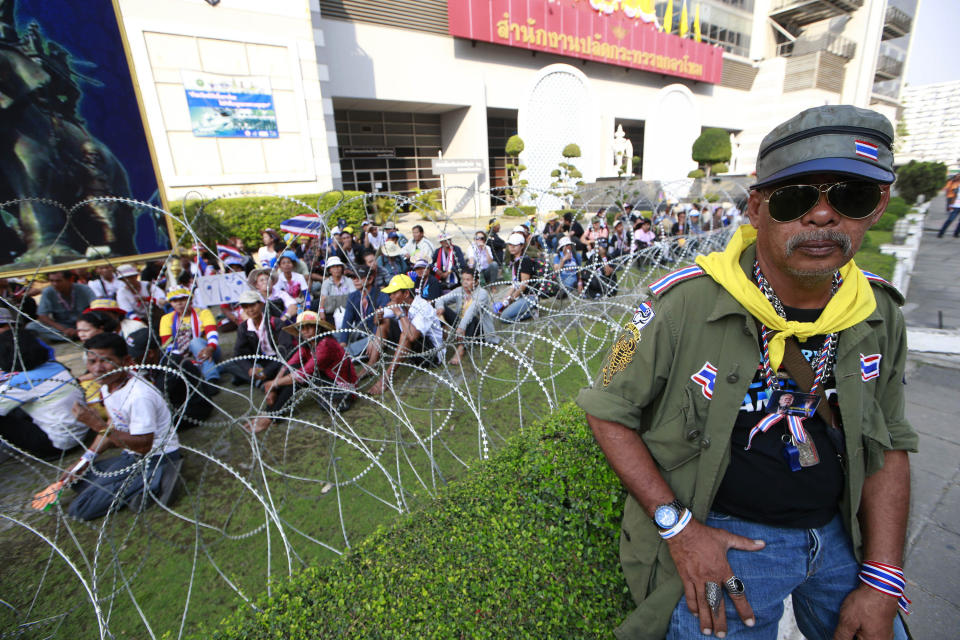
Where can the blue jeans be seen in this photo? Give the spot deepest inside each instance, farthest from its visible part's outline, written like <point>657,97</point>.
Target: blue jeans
<point>208,367</point>
<point>519,309</point>
<point>102,493</point>
<point>951,214</point>
<point>816,567</point>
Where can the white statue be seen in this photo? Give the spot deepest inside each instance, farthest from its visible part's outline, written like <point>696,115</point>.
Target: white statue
<point>622,153</point>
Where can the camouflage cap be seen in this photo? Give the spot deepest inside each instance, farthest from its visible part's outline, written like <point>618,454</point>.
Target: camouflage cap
<point>830,139</point>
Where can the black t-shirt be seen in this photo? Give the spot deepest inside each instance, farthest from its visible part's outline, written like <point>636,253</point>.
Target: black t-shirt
<point>526,265</point>
<point>758,484</point>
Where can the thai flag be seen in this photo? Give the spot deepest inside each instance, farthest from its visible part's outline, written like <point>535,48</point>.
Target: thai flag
<point>306,225</point>
<point>866,149</point>
<point>870,366</point>
<point>226,251</point>
<point>706,378</point>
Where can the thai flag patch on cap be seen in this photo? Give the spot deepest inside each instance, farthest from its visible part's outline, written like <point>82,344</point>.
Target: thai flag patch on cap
<point>866,149</point>
<point>706,378</point>
<point>869,366</point>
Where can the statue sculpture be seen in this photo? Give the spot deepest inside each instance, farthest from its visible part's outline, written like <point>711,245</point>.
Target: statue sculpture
<point>47,156</point>
<point>622,153</point>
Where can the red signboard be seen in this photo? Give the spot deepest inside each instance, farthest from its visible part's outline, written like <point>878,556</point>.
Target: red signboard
<point>575,28</point>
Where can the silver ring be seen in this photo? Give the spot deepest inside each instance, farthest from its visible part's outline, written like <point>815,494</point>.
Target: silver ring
<point>714,596</point>
<point>734,586</point>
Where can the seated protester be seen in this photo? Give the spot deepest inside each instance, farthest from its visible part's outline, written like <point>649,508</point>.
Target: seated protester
<point>643,235</point>
<point>93,322</point>
<point>596,231</point>
<point>472,305</point>
<point>567,265</point>
<point>350,253</point>
<point>261,343</point>
<point>288,280</point>
<point>392,261</point>
<point>599,273</point>
<point>480,258</point>
<point>494,241</point>
<point>108,308</point>
<point>448,262</point>
<point>551,232</point>
<point>139,424</point>
<point>358,323</point>
<point>279,302</point>
<point>185,331</point>
<point>322,362</point>
<point>272,246</point>
<point>180,383</point>
<point>390,228</point>
<point>106,284</point>
<point>380,279</point>
<point>18,299</point>
<point>313,259</point>
<point>521,301</point>
<point>36,397</point>
<point>372,237</point>
<point>419,248</point>
<point>138,300</point>
<point>334,291</point>
<point>425,283</point>
<point>619,242</point>
<point>60,306</point>
<point>408,321</point>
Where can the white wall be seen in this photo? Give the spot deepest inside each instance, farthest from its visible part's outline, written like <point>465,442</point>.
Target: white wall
<point>244,38</point>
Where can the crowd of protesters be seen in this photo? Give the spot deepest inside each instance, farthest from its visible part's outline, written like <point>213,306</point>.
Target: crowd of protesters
<point>317,312</point>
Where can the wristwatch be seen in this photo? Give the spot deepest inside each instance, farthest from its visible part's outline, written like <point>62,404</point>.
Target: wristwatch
<point>665,516</point>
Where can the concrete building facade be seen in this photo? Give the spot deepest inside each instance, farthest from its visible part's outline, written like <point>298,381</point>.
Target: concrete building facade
<point>368,93</point>
<point>931,114</point>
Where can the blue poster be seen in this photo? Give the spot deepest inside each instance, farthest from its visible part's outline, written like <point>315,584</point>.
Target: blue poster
<point>71,130</point>
<point>230,106</point>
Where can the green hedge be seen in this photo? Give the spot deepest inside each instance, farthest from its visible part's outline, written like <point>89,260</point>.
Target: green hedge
<point>517,212</point>
<point>898,207</point>
<point>525,546</point>
<point>247,217</point>
<point>886,222</point>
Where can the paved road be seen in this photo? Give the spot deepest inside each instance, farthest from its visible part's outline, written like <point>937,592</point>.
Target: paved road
<point>934,295</point>
<point>933,405</point>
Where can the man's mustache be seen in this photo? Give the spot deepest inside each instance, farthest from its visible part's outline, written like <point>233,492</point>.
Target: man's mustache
<point>822,235</point>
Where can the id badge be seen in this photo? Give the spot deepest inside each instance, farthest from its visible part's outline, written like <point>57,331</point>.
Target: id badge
<point>793,403</point>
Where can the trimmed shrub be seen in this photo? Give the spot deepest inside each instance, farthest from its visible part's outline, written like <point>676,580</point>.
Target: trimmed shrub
<point>696,173</point>
<point>525,546</point>
<point>712,146</point>
<point>247,217</point>
<point>572,150</point>
<point>886,222</point>
<point>920,178</point>
<point>898,207</point>
<point>521,211</point>
<point>720,167</point>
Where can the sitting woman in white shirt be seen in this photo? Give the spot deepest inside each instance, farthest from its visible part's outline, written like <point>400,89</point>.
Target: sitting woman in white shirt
<point>288,280</point>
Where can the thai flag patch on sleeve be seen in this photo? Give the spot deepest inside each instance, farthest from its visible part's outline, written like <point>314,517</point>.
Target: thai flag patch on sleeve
<point>706,378</point>
<point>643,315</point>
<point>866,149</point>
<point>870,366</point>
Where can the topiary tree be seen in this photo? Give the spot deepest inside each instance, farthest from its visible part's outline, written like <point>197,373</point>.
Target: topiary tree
<point>515,184</point>
<point>916,178</point>
<point>696,173</point>
<point>712,147</point>
<point>720,167</point>
<point>566,175</point>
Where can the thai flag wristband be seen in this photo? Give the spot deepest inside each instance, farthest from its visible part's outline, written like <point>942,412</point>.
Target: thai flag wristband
<point>680,526</point>
<point>887,579</point>
<point>89,455</point>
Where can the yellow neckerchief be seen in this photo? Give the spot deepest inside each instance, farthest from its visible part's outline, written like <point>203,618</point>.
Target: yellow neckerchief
<point>852,303</point>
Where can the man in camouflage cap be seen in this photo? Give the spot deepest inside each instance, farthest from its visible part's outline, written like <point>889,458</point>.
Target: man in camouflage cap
<point>734,505</point>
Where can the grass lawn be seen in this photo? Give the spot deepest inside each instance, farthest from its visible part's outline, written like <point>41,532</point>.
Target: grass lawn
<point>251,511</point>
<point>869,257</point>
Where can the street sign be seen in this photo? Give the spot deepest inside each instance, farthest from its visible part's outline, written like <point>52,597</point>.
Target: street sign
<point>444,166</point>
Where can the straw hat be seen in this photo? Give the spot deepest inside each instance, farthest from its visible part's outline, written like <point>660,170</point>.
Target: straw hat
<point>104,304</point>
<point>305,318</point>
<point>127,271</point>
<point>391,249</point>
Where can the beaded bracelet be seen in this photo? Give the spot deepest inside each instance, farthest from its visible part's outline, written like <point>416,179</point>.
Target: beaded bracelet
<point>677,528</point>
<point>887,579</point>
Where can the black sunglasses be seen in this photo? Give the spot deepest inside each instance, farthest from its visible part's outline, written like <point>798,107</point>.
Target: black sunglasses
<point>854,199</point>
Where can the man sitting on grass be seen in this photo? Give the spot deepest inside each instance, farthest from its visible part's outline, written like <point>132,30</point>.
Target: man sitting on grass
<point>409,322</point>
<point>139,424</point>
<point>474,308</point>
<point>185,331</point>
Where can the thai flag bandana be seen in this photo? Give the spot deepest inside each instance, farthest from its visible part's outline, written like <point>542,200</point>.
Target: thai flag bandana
<point>794,423</point>
<point>866,149</point>
<point>706,378</point>
<point>869,366</point>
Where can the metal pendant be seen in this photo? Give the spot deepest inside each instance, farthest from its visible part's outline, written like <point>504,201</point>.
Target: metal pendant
<point>808,452</point>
